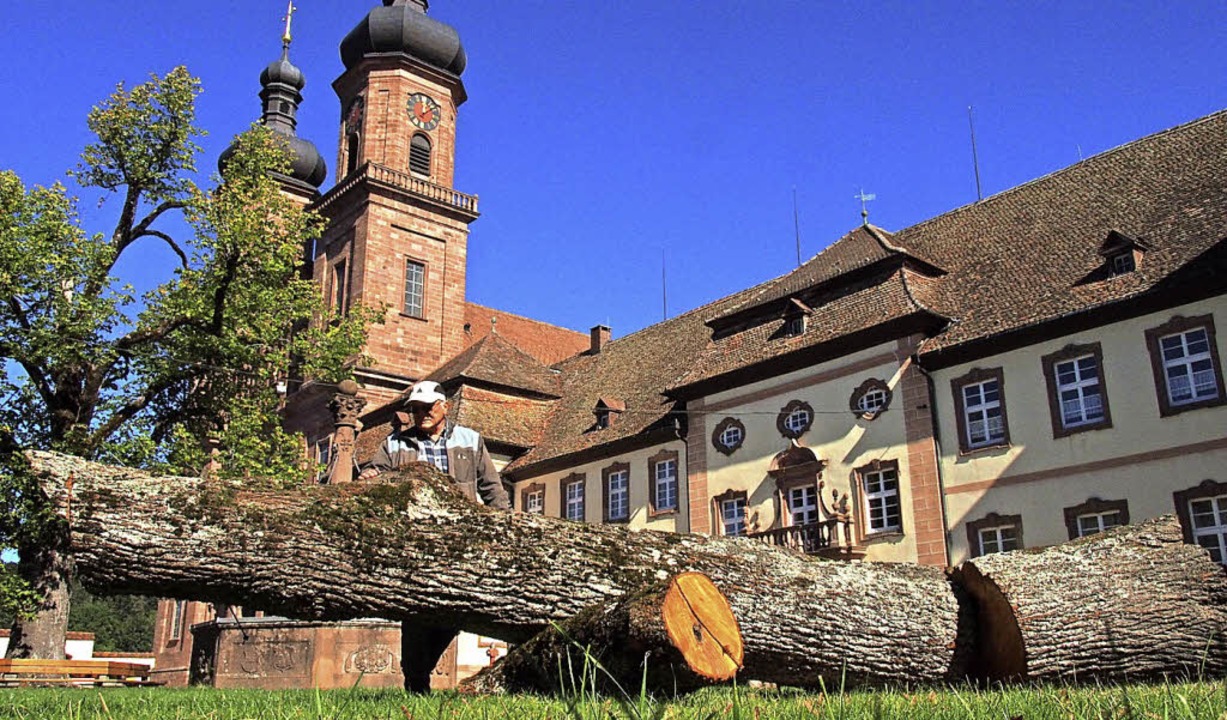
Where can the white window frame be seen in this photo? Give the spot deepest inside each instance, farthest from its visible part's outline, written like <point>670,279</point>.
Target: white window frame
<point>731,436</point>
<point>1083,390</point>
<point>803,505</point>
<point>998,538</point>
<point>534,502</point>
<point>877,395</point>
<point>618,485</point>
<point>977,415</point>
<point>573,503</point>
<point>177,618</point>
<point>415,289</point>
<point>882,501</point>
<point>1211,537</point>
<point>1123,263</point>
<point>1188,362</point>
<point>323,456</point>
<point>733,516</point>
<point>666,489</point>
<point>1101,522</point>
<point>798,420</point>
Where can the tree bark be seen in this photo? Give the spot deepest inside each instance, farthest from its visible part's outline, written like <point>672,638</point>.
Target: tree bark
<point>1136,603</point>
<point>47,566</point>
<point>420,550</point>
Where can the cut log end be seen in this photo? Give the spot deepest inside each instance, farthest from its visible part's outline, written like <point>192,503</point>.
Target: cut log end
<point>701,625</point>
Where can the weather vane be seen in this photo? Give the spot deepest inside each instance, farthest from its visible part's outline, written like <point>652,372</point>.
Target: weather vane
<point>864,198</point>
<point>289,18</point>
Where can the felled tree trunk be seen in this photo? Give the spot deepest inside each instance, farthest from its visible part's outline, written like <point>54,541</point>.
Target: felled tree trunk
<point>1136,603</point>
<point>419,550</point>
<point>680,635</point>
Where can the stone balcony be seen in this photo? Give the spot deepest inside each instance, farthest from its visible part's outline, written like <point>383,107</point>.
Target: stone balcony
<point>448,200</point>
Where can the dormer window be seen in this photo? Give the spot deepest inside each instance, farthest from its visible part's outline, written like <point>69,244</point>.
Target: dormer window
<point>794,318</point>
<point>1123,263</point>
<point>1122,254</point>
<point>607,411</point>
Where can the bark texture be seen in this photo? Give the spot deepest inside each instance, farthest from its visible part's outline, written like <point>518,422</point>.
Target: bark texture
<point>1136,603</point>
<point>48,567</point>
<point>419,550</point>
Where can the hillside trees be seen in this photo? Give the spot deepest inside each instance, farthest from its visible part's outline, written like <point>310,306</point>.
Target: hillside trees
<point>92,370</point>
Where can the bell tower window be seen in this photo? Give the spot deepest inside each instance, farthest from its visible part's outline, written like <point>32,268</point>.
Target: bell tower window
<point>419,155</point>
<point>351,153</point>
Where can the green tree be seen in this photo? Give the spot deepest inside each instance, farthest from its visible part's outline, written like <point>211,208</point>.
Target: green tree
<point>93,370</point>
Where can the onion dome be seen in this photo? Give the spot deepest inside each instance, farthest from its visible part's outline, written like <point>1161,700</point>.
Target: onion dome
<point>402,26</point>
<point>280,84</point>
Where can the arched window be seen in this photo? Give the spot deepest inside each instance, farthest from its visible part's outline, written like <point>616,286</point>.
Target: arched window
<point>351,153</point>
<point>419,155</point>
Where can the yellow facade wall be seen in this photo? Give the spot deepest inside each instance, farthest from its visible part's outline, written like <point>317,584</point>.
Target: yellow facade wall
<point>640,486</point>
<point>838,437</point>
<point>1142,457</point>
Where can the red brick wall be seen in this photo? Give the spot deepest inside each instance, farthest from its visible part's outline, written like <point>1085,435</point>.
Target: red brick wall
<point>917,404</point>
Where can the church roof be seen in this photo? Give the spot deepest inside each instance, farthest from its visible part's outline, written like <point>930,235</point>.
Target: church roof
<point>548,343</point>
<point>494,361</point>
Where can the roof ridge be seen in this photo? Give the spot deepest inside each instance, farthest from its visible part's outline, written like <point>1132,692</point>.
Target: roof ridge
<point>523,317</point>
<point>1094,159</point>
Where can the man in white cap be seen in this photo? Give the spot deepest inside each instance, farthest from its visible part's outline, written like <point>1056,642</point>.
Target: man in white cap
<point>424,434</point>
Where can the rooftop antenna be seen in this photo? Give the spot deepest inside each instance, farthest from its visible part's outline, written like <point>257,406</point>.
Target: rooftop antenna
<point>796,223</point>
<point>287,38</point>
<point>975,160</point>
<point>664,289</point>
<point>865,197</point>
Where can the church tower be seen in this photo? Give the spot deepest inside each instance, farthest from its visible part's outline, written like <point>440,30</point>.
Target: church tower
<point>398,229</point>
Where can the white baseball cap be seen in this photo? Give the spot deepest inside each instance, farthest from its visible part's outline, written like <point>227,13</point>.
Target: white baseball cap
<point>426,392</point>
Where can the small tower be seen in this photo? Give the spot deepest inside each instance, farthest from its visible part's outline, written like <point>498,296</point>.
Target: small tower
<point>281,85</point>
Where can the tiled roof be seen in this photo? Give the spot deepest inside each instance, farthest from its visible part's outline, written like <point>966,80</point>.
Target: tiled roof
<point>858,249</point>
<point>839,311</point>
<point>634,370</point>
<point>1025,256</point>
<point>502,418</point>
<point>548,343</point>
<point>495,361</point>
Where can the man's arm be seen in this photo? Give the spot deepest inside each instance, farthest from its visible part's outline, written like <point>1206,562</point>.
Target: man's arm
<point>489,484</point>
<point>382,462</point>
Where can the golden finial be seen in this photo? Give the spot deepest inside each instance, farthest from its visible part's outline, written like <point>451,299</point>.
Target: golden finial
<point>289,18</point>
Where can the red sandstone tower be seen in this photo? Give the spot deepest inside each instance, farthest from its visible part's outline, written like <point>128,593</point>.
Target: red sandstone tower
<point>398,230</point>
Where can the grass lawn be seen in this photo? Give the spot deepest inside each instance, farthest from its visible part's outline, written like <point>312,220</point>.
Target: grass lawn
<point>1187,701</point>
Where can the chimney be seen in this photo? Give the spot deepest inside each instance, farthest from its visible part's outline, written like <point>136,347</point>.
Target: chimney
<point>600,337</point>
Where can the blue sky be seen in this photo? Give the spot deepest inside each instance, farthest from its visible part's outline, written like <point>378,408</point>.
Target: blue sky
<point>602,136</point>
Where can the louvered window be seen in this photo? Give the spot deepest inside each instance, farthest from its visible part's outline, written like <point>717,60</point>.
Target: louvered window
<point>419,155</point>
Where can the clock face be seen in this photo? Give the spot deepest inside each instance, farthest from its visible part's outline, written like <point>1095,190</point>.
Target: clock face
<point>424,112</point>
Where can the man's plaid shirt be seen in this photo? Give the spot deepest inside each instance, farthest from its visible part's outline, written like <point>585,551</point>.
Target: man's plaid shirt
<point>433,451</point>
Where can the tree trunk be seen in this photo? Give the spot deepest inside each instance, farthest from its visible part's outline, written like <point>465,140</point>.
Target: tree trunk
<point>1133,603</point>
<point>675,636</point>
<point>47,566</point>
<point>420,550</point>
<point>1136,603</point>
